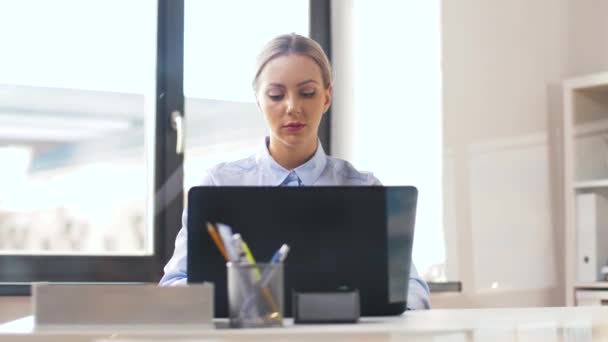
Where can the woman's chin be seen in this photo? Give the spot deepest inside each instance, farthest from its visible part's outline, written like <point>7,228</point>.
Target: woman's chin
<point>296,140</point>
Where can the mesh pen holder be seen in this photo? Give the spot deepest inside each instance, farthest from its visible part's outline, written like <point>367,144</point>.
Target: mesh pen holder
<point>255,295</point>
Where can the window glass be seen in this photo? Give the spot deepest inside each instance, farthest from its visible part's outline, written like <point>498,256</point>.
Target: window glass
<point>77,83</point>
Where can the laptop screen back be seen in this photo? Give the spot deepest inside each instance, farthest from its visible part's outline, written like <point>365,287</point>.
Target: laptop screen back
<point>354,237</point>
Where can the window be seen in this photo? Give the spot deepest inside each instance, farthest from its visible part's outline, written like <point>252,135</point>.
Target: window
<point>91,180</point>
<point>78,131</point>
<point>78,97</point>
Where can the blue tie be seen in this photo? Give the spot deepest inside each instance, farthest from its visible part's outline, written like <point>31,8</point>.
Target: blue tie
<point>292,180</point>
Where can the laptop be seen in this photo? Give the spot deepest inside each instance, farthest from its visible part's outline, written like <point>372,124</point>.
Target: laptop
<point>352,237</point>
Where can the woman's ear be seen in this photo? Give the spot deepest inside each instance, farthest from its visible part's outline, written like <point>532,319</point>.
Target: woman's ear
<point>328,94</point>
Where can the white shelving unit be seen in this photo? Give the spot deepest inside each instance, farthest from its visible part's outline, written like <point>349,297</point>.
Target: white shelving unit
<point>585,159</point>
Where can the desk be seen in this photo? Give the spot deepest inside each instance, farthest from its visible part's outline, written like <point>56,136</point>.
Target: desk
<point>521,324</point>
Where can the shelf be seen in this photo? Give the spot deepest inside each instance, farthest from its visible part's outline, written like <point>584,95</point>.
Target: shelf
<point>445,286</point>
<point>600,285</point>
<point>592,184</point>
<point>591,128</point>
<point>585,118</point>
<point>593,81</point>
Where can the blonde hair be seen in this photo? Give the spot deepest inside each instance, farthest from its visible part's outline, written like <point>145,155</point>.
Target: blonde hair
<point>288,44</point>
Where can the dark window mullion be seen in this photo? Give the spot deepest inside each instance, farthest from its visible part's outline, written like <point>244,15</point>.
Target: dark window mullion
<point>169,174</point>
<point>320,31</point>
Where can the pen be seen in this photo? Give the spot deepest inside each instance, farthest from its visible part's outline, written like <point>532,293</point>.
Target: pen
<point>226,235</point>
<point>238,247</point>
<point>251,261</point>
<point>216,239</point>
<point>278,257</point>
<point>218,242</point>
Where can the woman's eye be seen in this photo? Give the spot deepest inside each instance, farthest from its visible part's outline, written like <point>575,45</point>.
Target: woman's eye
<point>275,97</point>
<point>308,93</point>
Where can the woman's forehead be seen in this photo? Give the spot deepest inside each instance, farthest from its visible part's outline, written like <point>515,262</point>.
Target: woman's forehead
<point>290,69</point>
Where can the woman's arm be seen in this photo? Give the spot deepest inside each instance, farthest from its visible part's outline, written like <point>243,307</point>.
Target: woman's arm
<point>176,270</point>
<point>418,294</point>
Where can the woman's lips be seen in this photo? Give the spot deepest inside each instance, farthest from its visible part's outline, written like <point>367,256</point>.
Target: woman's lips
<point>294,126</point>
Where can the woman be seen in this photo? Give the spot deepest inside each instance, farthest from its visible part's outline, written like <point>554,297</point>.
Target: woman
<point>293,90</point>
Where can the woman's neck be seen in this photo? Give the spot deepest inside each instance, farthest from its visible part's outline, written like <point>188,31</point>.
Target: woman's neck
<point>291,157</point>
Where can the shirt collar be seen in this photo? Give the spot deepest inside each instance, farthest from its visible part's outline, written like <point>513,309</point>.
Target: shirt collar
<point>274,174</point>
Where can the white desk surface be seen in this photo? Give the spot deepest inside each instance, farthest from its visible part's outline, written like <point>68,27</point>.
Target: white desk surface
<point>518,324</point>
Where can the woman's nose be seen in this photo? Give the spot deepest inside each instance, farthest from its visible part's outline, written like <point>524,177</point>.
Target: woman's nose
<point>293,106</point>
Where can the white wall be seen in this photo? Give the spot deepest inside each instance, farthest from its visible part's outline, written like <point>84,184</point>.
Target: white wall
<point>587,36</point>
<point>499,58</point>
<point>503,62</point>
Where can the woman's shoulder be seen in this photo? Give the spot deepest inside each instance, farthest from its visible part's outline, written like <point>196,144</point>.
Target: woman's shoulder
<point>231,172</point>
<point>344,173</point>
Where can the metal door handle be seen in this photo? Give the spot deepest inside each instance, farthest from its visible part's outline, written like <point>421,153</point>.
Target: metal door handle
<point>177,122</point>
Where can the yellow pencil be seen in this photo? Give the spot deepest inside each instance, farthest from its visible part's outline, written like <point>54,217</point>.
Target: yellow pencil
<point>216,239</point>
